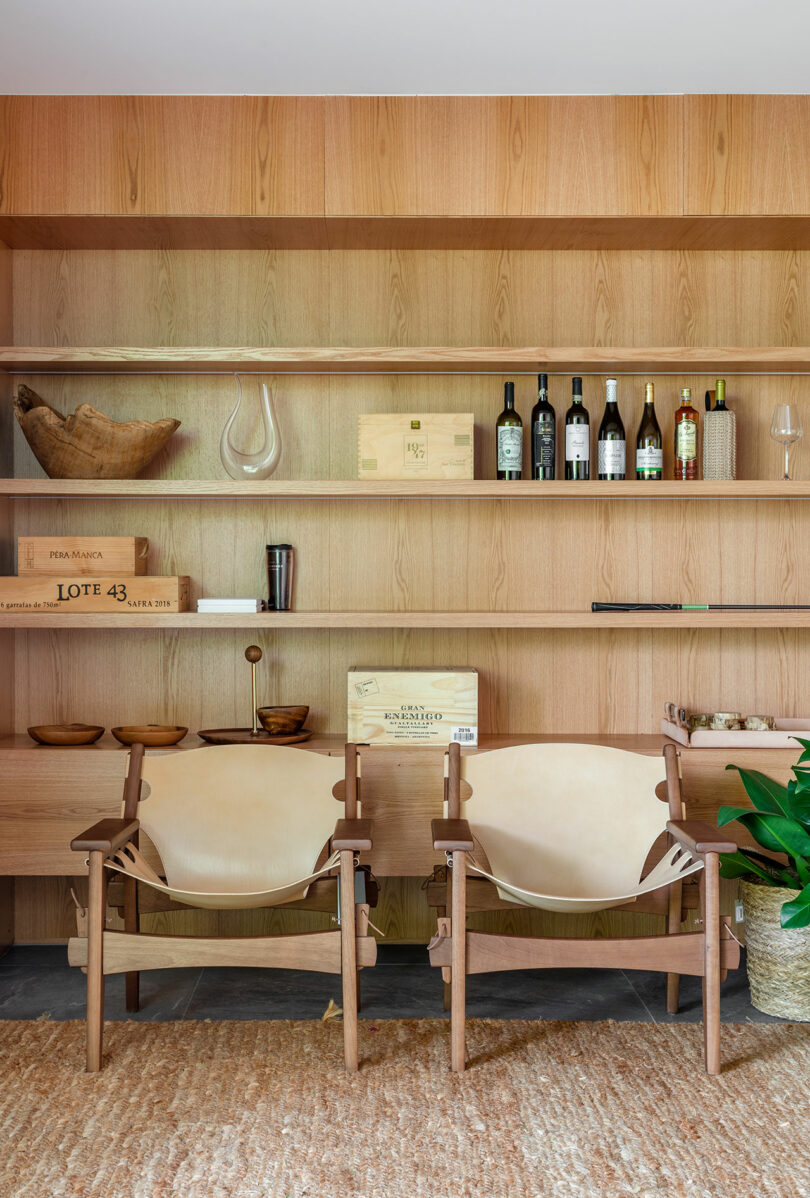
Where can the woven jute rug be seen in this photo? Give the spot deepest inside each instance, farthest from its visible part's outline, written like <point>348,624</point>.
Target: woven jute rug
<point>263,1110</point>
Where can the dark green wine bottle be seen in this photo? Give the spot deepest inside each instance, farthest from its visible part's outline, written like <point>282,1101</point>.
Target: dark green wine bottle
<point>649,445</point>
<point>509,437</point>
<point>577,436</point>
<point>544,433</point>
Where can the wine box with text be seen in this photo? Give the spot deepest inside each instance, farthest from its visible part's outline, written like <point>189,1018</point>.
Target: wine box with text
<point>416,706</point>
<point>415,446</point>
<point>99,593</point>
<point>82,555</point>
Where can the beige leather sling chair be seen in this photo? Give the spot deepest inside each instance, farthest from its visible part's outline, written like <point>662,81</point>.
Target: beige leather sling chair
<point>569,828</point>
<point>237,826</point>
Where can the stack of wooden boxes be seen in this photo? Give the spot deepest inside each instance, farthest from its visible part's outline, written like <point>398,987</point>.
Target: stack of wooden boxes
<point>88,574</point>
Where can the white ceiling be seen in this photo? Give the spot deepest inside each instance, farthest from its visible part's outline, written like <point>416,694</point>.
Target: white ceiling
<point>402,47</point>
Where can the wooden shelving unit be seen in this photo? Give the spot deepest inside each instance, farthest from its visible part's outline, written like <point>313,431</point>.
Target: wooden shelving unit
<point>167,488</point>
<point>444,620</point>
<point>404,359</point>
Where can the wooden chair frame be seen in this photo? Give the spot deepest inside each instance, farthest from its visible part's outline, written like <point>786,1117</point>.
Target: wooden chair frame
<point>344,950</point>
<point>708,953</point>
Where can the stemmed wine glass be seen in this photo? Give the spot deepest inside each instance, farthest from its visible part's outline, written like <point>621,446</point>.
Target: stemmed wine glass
<point>786,427</point>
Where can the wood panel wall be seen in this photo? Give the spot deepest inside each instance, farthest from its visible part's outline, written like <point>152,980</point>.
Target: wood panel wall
<point>658,156</point>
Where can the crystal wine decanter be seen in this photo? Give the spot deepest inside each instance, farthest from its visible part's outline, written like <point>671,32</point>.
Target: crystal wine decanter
<point>252,465</point>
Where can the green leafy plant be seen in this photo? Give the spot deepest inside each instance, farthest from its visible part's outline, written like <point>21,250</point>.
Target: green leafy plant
<point>780,823</point>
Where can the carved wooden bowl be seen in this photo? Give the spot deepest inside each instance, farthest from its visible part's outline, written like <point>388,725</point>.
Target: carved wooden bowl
<point>151,735</point>
<point>88,444</point>
<point>282,721</point>
<point>65,734</point>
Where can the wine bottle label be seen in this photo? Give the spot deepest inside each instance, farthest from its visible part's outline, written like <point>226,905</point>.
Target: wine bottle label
<point>649,458</point>
<point>577,443</point>
<point>544,444</point>
<point>510,447</point>
<point>611,457</point>
<point>686,441</point>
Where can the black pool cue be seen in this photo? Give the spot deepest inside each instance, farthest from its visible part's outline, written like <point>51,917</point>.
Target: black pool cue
<point>700,607</point>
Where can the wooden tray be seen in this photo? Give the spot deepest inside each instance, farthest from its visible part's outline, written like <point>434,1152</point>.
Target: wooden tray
<point>704,738</point>
<point>244,736</point>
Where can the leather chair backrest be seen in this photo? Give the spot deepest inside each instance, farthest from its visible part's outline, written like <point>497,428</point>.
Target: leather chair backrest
<point>239,818</point>
<point>565,819</point>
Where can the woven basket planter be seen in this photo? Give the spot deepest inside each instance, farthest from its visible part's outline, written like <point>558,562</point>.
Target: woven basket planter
<point>778,958</point>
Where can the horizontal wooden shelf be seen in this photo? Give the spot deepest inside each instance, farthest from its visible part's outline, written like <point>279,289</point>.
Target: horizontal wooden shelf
<point>333,743</point>
<point>156,488</point>
<point>405,232</point>
<point>53,359</point>
<point>495,620</point>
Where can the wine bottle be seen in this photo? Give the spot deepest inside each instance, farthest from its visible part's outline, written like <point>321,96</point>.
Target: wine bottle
<point>509,435</point>
<point>544,433</point>
<point>686,437</point>
<point>649,446</point>
<point>577,436</point>
<point>611,448</point>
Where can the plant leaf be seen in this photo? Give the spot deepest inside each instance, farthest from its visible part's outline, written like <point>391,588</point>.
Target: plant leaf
<point>764,793</point>
<point>806,747</point>
<point>796,912</point>
<point>775,833</point>
<point>737,865</point>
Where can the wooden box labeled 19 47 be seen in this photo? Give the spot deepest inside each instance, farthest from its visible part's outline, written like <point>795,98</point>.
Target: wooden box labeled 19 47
<point>419,706</point>
<point>410,445</point>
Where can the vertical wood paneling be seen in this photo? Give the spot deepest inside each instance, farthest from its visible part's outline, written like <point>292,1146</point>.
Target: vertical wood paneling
<point>747,155</point>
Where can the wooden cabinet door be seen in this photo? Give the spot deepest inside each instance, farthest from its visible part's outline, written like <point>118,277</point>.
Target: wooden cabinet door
<point>504,156</point>
<point>747,155</point>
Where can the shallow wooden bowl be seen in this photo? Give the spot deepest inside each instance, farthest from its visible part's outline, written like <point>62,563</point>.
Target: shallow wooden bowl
<point>151,735</point>
<point>65,734</point>
<point>282,721</point>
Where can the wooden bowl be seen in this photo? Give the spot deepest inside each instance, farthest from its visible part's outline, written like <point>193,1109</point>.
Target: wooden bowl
<point>282,721</point>
<point>151,735</point>
<point>65,734</point>
<point>88,444</point>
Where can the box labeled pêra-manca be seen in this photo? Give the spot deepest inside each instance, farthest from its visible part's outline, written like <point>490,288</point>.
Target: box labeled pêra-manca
<point>416,706</point>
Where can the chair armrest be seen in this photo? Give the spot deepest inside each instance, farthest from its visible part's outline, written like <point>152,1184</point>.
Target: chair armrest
<point>106,836</point>
<point>699,838</point>
<point>352,835</point>
<point>452,835</point>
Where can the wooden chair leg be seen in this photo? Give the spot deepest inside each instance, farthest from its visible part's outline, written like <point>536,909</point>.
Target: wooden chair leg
<point>132,923</point>
<point>673,927</point>
<point>96,911</point>
<point>458,979</point>
<point>348,924</point>
<point>711,980</point>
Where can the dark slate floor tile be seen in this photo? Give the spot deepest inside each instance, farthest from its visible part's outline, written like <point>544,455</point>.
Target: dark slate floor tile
<point>585,994</point>
<point>735,998</point>
<point>59,991</point>
<point>262,994</point>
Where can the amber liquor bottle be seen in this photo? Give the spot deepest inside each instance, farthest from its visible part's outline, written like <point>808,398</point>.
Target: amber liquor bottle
<point>686,438</point>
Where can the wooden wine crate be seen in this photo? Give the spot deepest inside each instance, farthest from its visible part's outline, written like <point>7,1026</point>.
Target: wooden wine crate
<point>66,592</point>
<point>417,706</point>
<point>414,445</point>
<point>105,556</point>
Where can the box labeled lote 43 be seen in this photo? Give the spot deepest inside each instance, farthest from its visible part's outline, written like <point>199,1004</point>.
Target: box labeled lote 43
<point>100,593</point>
<point>418,706</point>
<point>82,555</point>
<point>413,446</point>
